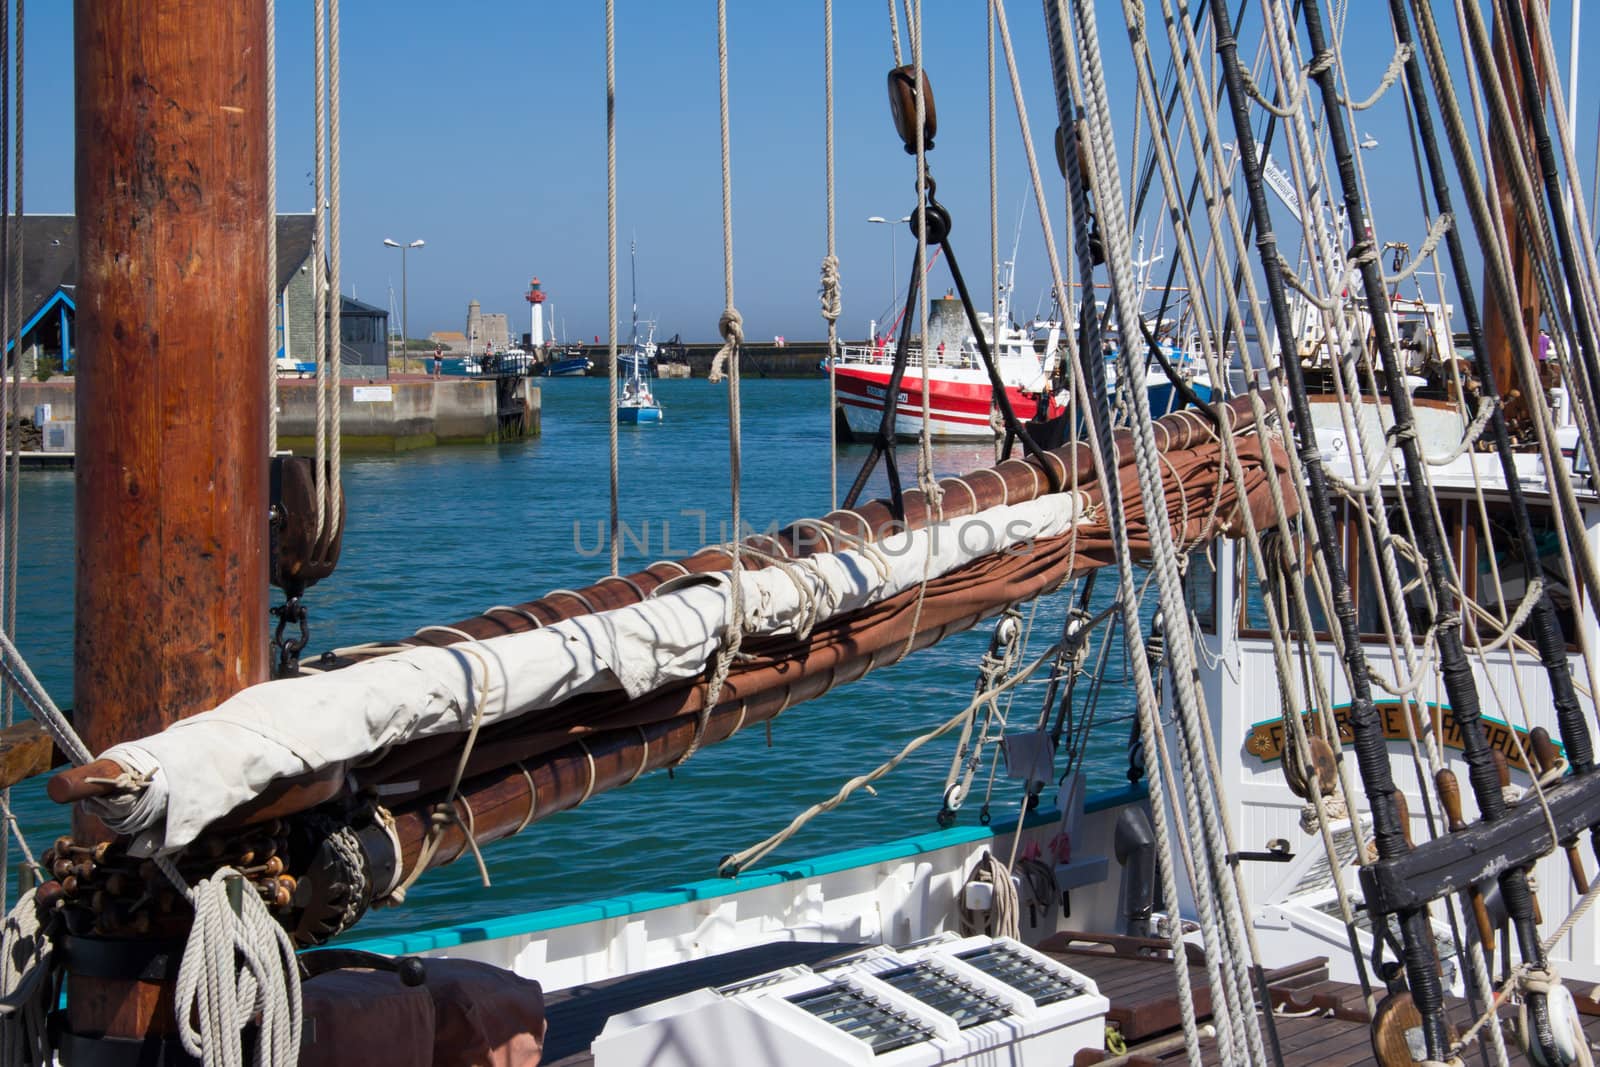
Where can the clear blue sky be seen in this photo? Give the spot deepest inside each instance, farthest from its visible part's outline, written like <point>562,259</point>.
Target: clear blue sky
<point>481,129</point>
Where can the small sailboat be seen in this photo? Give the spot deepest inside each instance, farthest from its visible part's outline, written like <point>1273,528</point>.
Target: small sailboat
<point>637,404</point>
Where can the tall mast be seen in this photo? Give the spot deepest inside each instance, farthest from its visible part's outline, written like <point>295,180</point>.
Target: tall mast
<point>172,441</point>
<point>171,391</point>
<point>1496,335</point>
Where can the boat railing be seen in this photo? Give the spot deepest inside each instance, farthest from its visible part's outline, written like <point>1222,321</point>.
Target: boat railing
<point>883,356</point>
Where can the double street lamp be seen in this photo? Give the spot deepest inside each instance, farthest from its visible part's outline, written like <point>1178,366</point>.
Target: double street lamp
<point>405,307</point>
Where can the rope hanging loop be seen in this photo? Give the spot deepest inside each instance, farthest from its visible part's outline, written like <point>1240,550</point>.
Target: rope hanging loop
<point>903,107</point>
<point>731,327</point>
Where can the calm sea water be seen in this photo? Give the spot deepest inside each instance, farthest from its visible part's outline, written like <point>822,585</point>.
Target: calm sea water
<point>439,535</point>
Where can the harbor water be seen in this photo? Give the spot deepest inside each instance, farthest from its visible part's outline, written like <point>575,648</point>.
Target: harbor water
<point>436,536</point>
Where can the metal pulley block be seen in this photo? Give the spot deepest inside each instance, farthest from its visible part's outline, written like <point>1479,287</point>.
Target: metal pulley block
<point>903,106</point>
<point>300,556</point>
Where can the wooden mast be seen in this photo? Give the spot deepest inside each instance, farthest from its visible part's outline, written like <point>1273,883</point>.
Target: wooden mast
<point>1496,335</point>
<point>172,459</point>
<point>172,444</point>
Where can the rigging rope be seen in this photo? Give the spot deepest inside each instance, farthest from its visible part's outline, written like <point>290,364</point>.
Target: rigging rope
<point>731,326</point>
<point>333,489</point>
<point>272,227</point>
<point>614,535</point>
<point>10,379</point>
<point>1222,918</point>
<point>832,306</point>
<point>741,860</point>
<point>319,280</point>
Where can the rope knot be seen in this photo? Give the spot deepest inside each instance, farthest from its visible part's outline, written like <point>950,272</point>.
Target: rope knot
<point>1539,980</point>
<point>831,297</point>
<point>731,327</point>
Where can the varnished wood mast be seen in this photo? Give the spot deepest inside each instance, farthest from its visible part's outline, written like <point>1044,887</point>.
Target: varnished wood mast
<point>1496,333</point>
<point>172,447</point>
<point>172,443</point>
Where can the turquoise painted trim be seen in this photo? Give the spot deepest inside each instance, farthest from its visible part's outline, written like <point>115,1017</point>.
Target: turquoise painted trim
<point>59,297</point>
<point>66,340</point>
<point>532,922</point>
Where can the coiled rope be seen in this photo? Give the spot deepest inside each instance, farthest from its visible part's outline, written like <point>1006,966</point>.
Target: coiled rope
<point>237,966</point>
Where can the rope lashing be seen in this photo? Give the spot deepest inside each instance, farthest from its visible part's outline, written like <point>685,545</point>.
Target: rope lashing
<point>731,327</point>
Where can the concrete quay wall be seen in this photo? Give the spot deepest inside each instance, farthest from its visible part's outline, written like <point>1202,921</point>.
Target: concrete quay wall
<point>796,359</point>
<point>376,416</point>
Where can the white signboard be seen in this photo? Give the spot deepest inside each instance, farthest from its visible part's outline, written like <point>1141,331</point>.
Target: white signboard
<point>373,394</point>
<point>1283,186</point>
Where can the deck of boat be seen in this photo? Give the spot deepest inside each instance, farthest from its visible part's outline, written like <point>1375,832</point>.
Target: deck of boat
<point>1321,1023</point>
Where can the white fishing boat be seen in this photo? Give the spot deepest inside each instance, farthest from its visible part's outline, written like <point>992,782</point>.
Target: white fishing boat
<point>960,397</point>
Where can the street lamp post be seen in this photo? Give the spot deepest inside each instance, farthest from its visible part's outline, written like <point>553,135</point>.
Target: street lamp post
<point>894,272</point>
<point>405,304</point>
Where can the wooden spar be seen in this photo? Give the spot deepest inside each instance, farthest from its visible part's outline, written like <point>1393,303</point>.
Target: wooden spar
<point>528,778</point>
<point>1014,481</point>
<point>172,448</point>
<point>1496,334</point>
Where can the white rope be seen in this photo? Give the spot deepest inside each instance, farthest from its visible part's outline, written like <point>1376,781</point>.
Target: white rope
<point>1000,918</point>
<point>832,302</point>
<point>238,967</point>
<point>614,536</point>
<point>272,226</point>
<point>1148,713</point>
<point>1397,63</point>
<point>742,859</point>
<point>1436,231</point>
<point>1220,905</point>
<point>333,490</point>
<point>1469,440</point>
<point>33,694</point>
<point>894,34</point>
<point>319,281</point>
<point>731,326</point>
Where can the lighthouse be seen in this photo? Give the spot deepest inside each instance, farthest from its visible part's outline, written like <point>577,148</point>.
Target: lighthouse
<point>535,297</point>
